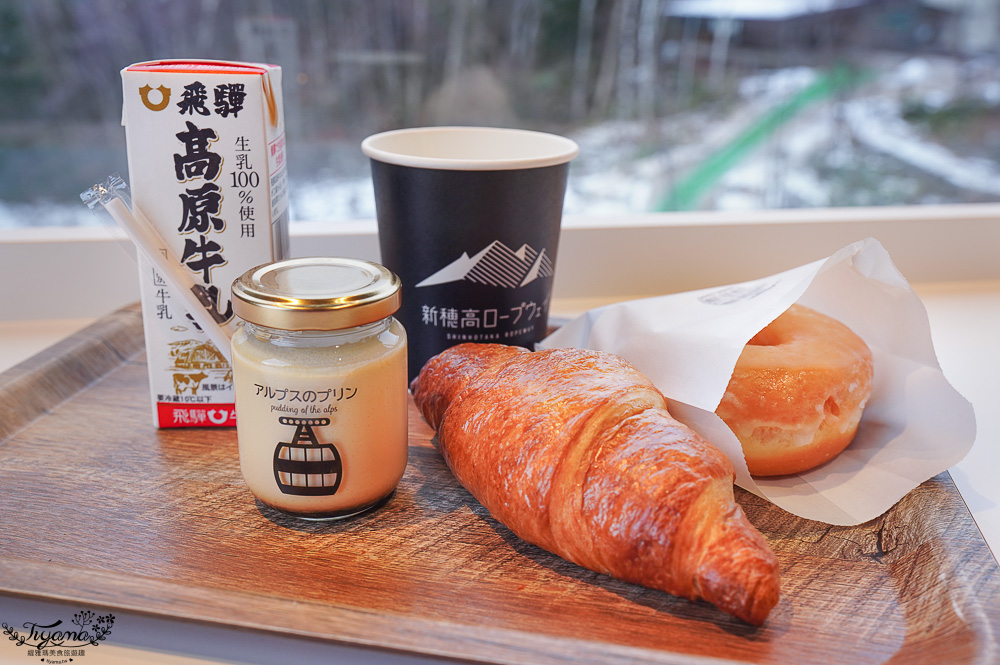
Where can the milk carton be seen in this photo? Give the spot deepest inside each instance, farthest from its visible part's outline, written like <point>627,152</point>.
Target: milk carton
<point>206,155</point>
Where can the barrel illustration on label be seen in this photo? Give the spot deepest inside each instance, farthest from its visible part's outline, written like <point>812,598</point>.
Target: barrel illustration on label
<point>304,466</point>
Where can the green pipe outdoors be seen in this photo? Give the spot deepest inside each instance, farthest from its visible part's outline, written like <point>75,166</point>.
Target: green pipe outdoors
<point>686,194</point>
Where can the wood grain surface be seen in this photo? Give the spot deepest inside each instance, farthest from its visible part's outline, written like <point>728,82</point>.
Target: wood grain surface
<point>100,508</point>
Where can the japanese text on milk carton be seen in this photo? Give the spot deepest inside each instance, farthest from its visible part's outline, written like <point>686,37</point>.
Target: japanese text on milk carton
<point>206,152</point>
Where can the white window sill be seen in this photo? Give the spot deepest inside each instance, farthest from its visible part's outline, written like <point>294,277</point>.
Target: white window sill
<point>76,273</point>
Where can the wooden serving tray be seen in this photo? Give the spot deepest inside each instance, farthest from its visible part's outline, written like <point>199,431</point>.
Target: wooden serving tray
<point>100,508</point>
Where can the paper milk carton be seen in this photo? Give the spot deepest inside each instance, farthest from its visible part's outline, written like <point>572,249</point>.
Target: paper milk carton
<point>206,156</point>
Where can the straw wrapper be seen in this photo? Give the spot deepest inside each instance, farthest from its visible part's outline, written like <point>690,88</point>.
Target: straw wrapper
<point>915,426</point>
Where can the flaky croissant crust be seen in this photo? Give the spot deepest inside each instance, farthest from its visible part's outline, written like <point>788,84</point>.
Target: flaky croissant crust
<point>575,451</point>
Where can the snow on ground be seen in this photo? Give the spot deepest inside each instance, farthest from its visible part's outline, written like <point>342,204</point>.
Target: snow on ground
<point>793,167</point>
<point>878,124</point>
<point>336,198</point>
<point>841,144</point>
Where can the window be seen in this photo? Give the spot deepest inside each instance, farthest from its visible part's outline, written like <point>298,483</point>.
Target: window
<point>677,104</point>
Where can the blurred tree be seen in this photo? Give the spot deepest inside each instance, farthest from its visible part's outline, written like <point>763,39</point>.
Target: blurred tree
<point>21,73</point>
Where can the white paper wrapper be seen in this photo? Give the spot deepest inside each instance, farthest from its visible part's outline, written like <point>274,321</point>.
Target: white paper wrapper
<point>914,427</point>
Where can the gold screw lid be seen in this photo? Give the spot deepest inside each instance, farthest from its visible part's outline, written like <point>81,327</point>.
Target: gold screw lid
<point>316,293</point>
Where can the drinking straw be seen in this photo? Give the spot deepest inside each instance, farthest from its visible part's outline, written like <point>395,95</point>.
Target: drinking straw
<point>113,197</point>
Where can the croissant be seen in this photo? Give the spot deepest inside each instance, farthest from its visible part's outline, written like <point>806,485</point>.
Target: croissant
<point>574,451</point>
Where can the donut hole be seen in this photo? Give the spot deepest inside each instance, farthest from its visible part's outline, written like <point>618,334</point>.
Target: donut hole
<point>765,337</point>
<point>831,407</point>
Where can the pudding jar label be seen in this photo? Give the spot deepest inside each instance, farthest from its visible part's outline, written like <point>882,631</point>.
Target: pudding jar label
<point>323,444</point>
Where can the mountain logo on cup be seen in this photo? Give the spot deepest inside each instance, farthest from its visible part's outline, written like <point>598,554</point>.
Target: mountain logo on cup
<point>496,265</point>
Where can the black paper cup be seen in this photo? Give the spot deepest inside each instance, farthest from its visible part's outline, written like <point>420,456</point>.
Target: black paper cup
<point>469,218</point>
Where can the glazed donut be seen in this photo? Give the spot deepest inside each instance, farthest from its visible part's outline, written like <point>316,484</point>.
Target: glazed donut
<point>797,392</point>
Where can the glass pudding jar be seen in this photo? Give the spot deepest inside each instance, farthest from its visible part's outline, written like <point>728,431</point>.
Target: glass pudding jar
<point>319,368</point>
